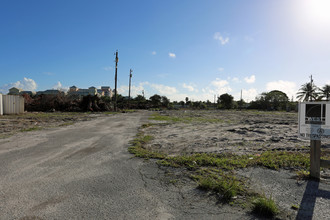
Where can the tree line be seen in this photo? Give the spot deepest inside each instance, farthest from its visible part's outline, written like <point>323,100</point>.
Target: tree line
<point>273,100</point>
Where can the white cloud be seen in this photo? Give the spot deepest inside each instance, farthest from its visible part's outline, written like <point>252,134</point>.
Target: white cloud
<point>189,87</point>
<point>172,55</point>
<point>290,88</point>
<point>60,87</point>
<point>220,38</point>
<point>25,84</point>
<point>247,94</point>
<point>250,79</point>
<point>219,83</point>
<point>164,90</point>
<point>108,68</point>
<point>153,53</point>
<point>135,90</point>
<point>218,87</point>
<point>220,69</point>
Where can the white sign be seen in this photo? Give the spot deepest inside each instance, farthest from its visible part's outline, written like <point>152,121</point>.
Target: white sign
<point>314,120</point>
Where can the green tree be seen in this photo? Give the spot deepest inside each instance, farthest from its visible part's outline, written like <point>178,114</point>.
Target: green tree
<point>273,100</point>
<point>276,100</point>
<point>307,92</point>
<point>155,101</point>
<point>165,101</point>
<point>325,92</point>
<point>140,101</point>
<point>226,101</point>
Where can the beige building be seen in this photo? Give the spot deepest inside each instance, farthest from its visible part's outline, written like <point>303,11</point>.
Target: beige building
<point>51,92</point>
<point>14,91</point>
<point>104,91</point>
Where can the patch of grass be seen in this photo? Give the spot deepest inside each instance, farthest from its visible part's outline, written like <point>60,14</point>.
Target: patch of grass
<point>226,185</point>
<point>303,175</point>
<point>31,129</point>
<point>147,125</point>
<point>295,207</point>
<point>265,206</point>
<point>224,161</point>
<point>272,160</point>
<point>138,149</point>
<point>128,110</point>
<point>276,160</point>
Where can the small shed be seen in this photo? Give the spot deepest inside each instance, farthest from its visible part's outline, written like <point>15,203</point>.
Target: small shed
<point>13,104</point>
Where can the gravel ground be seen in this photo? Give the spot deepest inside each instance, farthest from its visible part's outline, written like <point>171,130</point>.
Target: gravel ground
<point>248,132</point>
<point>83,171</point>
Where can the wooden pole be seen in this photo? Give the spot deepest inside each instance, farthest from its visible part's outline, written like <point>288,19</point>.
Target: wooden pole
<point>116,81</point>
<point>315,156</point>
<point>129,87</point>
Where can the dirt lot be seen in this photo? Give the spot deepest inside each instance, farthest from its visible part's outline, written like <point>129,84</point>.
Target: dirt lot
<point>241,132</point>
<point>11,124</point>
<point>187,132</point>
<point>173,133</point>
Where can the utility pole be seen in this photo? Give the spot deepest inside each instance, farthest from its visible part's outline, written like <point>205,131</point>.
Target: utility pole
<point>310,95</point>
<point>116,81</point>
<point>143,93</point>
<point>129,88</point>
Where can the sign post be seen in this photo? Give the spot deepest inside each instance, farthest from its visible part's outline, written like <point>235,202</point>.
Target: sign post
<point>315,156</point>
<point>314,124</point>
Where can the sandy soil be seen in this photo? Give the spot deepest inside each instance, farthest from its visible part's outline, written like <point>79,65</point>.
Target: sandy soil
<point>241,132</point>
<point>11,124</point>
<point>248,132</point>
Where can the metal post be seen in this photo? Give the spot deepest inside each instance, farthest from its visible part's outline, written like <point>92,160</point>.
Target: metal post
<point>315,156</point>
<point>116,81</point>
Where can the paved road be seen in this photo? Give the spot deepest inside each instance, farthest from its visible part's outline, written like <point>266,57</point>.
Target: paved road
<point>85,172</point>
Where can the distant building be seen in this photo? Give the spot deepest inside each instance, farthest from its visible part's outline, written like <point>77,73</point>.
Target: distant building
<point>14,91</point>
<point>104,91</point>
<point>51,92</point>
<point>31,93</point>
<point>107,91</point>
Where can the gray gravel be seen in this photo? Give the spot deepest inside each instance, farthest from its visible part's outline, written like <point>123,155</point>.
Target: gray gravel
<point>312,197</point>
<point>84,171</point>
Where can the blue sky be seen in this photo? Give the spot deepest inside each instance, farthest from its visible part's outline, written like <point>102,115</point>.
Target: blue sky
<point>176,48</point>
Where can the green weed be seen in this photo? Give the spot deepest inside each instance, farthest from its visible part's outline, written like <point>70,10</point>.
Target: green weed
<point>265,206</point>
<point>295,207</point>
<point>138,149</point>
<point>226,185</point>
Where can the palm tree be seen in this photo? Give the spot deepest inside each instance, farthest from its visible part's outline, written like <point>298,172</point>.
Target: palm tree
<point>307,92</point>
<point>325,92</point>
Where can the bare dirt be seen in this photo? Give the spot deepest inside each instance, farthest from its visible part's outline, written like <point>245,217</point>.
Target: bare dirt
<point>241,132</point>
<point>11,124</point>
<point>248,132</point>
<point>83,170</point>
